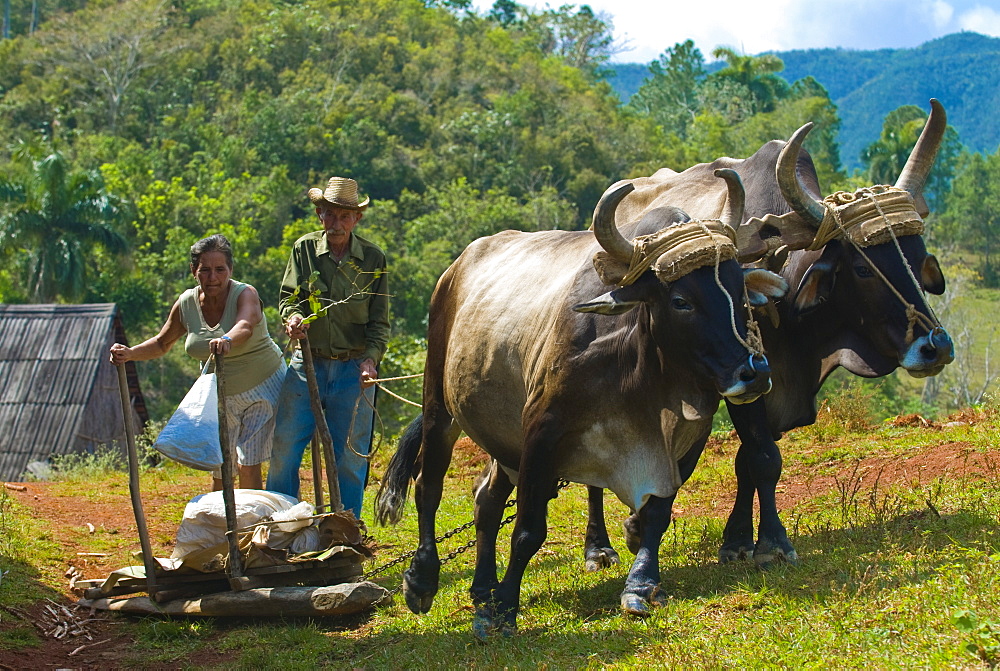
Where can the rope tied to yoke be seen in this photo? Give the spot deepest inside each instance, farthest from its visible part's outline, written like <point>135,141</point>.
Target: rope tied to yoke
<point>674,252</point>
<point>870,216</point>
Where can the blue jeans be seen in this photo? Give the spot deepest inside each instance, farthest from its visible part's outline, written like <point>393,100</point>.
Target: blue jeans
<point>339,388</point>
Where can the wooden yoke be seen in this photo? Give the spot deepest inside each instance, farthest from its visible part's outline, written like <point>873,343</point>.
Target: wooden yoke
<point>148,561</point>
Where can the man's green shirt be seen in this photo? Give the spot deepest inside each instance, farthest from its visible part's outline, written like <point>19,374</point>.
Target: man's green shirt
<point>356,288</point>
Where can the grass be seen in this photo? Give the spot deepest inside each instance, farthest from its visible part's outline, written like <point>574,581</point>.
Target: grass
<point>892,575</point>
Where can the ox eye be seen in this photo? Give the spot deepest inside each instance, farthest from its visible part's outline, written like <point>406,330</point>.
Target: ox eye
<point>863,271</point>
<point>679,303</point>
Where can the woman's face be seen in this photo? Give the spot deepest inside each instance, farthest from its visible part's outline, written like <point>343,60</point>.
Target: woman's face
<point>213,273</point>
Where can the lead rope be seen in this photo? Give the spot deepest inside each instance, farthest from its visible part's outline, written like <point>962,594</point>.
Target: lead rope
<point>912,314</point>
<point>357,404</point>
<point>753,342</point>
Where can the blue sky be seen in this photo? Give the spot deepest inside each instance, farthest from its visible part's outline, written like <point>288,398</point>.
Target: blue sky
<point>647,27</point>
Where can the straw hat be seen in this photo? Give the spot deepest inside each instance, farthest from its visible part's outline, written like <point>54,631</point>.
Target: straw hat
<point>340,191</point>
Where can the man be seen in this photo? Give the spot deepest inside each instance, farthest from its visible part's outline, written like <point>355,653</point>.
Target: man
<point>347,339</point>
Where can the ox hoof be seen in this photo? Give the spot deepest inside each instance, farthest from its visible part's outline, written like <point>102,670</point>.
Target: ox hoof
<point>598,558</point>
<point>735,552</point>
<point>638,605</point>
<point>767,555</point>
<point>486,625</point>
<point>417,603</point>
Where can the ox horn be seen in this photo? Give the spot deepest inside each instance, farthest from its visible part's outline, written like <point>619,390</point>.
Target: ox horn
<point>808,208</point>
<point>921,159</point>
<point>732,214</point>
<point>605,230</point>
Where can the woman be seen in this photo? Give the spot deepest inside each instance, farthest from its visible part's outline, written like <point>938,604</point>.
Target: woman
<point>223,316</point>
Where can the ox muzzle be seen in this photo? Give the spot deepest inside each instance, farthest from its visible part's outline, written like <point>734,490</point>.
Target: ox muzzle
<point>751,380</point>
<point>928,354</point>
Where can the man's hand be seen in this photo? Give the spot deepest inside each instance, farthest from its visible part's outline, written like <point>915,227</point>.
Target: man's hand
<point>368,373</point>
<point>295,329</point>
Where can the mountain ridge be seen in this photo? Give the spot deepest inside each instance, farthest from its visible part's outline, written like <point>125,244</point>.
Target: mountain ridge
<point>962,70</point>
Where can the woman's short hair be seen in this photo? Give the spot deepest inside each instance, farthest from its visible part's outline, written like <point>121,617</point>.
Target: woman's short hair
<point>213,243</point>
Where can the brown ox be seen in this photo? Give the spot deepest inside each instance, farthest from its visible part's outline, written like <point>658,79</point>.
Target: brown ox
<point>616,392</point>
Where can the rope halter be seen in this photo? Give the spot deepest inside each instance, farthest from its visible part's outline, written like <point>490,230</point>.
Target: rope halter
<point>870,216</point>
<point>674,252</point>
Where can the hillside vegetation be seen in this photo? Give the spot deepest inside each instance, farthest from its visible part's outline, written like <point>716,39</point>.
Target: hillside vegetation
<point>128,130</point>
<point>961,70</point>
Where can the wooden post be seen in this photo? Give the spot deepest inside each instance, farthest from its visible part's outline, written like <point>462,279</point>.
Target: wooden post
<point>333,483</point>
<point>317,461</point>
<point>148,561</point>
<point>235,566</point>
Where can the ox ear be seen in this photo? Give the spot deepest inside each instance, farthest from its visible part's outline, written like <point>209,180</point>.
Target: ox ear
<point>817,284</point>
<point>931,276</point>
<point>763,285</point>
<point>615,302</point>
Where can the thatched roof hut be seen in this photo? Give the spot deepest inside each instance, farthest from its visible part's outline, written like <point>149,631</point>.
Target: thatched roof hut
<point>58,390</point>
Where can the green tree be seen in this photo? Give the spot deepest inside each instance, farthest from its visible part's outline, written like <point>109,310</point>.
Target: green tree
<point>759,74</point>
<point>103,52</point>
<point>972,211</point>
<point>582,39</point>
<point>670,95</point>
<point>884,158</point>
<point>53,221</point>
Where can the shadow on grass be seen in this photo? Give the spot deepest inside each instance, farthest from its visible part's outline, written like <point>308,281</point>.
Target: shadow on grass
<point>21,587</point>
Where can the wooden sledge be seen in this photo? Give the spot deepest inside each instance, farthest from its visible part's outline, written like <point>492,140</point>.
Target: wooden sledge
<point>325,586</point>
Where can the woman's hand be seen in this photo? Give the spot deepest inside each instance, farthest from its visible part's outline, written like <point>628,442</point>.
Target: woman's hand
<point>120,354</point>
<point>220,345</point>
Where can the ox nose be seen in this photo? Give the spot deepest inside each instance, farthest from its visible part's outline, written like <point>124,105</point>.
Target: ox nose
<point>757,367</point>
<point>938,346</point>
<point>751,380</point>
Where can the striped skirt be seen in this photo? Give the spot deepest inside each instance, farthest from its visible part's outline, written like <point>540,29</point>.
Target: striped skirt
<point>250,417</point>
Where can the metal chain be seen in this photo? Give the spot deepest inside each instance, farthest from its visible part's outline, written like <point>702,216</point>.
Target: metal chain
<point>448,534</point>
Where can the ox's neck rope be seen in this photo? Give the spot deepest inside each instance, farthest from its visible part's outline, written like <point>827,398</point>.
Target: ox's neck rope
<point>930,322</point>
<point>753,342</point>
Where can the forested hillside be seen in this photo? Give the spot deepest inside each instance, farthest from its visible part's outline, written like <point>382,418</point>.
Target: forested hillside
<point>128,130</point>
<point>961,70</point>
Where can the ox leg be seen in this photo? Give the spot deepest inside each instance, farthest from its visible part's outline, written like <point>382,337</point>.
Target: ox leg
<point>597,550</point>
<point>420,581</point>
<point>758,469</point>
<point>642,587</point>
<point>632,525</point>
<point>535,486</point>
<point>491,499</point>
<point>737,538</point>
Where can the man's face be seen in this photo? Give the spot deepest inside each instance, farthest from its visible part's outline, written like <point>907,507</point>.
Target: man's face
<point>338,222</point>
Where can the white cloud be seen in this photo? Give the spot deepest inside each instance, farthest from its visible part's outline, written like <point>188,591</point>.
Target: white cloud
<point>941,13</point>
<point>981,20</point>
<point>754,26</point>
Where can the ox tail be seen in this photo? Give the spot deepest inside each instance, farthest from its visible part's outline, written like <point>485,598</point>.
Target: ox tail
<point>396,482</point>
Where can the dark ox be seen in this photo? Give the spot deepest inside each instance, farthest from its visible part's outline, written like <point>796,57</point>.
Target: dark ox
<point>554,384</point>
<point>842,311</point>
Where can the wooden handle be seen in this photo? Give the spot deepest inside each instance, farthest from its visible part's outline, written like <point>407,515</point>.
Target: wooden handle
<point>333,482</point>
<point>235,567</point>
<point>148,561</point>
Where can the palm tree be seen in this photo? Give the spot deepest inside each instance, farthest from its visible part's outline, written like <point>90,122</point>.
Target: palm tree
<point>53,220</point>
<point>759,74</point>
<point>884,159</point>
